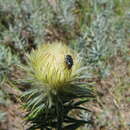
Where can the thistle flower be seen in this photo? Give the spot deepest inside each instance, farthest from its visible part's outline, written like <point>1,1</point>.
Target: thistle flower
<point>54,70</point>
<point>54,64</point>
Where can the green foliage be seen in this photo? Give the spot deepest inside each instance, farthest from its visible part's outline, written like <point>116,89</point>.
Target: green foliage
<point>2,116</point>
<point>4,101</point>
<point>53,110</point>
<point>7,60</point>
<point>23,23</point>
<point>4,98</point>
<point>105,36</point>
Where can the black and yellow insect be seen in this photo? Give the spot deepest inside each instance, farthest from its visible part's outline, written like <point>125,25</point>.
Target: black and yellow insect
<point>69,61</point>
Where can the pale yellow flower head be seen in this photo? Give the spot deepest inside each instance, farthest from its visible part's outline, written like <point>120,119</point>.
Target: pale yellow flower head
<point>50,66</point>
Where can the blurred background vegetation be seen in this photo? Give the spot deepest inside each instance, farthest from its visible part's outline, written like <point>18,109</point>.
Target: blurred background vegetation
<point>98,30</point>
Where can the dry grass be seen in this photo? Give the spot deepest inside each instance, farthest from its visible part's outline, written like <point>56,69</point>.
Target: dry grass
<point>111,108</point>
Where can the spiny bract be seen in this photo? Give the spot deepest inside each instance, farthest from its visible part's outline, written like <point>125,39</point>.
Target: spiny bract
<point>49,66</point>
